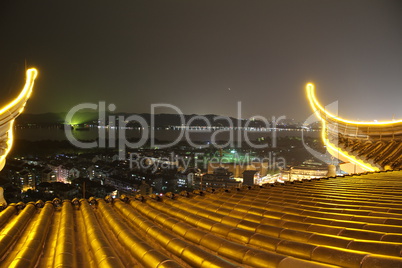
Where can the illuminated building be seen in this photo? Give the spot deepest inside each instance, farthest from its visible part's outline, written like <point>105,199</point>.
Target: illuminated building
<point>298,173</point>
<point>238,168</point>
<point>361,146</point>
<point>306,171</point>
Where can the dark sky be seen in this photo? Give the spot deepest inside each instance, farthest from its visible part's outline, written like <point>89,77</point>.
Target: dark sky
<point>204,56</point>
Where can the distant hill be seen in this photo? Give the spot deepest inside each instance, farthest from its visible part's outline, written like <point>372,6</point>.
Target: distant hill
<point>54,118</point>
<point>47,118</point>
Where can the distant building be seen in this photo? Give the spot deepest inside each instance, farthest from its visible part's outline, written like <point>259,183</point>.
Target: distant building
<point>307,171</point>
<point>250,176</point>
<point>48,175</point>
<point>145,189</point>
<point>237,168</point>
<point>220,178</point>
<point>25,176</point>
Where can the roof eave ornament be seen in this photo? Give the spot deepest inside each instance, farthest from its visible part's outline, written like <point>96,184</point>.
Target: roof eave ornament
<point>328,118</point>
<point>10,112</point>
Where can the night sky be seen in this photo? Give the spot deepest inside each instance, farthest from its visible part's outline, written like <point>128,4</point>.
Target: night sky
<point>204,56</point>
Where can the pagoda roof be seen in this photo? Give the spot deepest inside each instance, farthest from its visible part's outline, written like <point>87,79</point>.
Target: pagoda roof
<point>12,110</point>
<point>369,145</point>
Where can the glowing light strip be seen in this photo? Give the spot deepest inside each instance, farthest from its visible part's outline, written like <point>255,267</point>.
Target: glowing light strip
<point>351,158</point>
<point>310,88</point>
<point>18,101</point>
<point>26,91</point>
<point>316,106</point>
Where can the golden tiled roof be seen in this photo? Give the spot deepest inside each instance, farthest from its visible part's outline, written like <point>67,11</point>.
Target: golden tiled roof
<point>353,221</point>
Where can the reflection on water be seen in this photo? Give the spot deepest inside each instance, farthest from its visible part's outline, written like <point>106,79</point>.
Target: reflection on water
<point>37,134</point>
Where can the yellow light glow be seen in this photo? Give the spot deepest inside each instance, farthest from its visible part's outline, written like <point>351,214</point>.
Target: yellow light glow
<point>14,108</point>
<point>336,150</point>
<point>318,110</point>
<point>310,89</point>
<point>26,91</point>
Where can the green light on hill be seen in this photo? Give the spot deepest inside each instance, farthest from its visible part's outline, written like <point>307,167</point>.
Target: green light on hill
<point>82,118</point>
